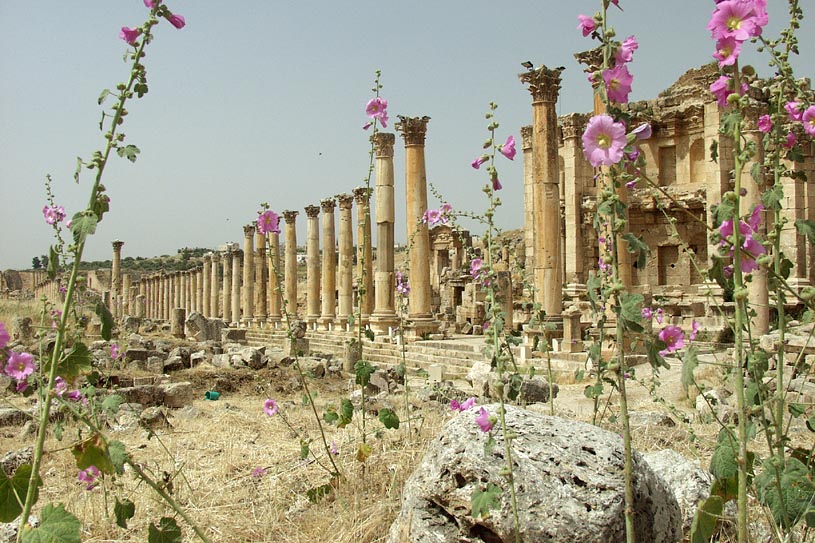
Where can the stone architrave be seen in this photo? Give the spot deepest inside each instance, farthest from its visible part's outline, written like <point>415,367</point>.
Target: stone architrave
<point>261,279</point>
<point>345,274</point>
<point>236,287</point>
<point>544,84</point>
<point>226,308</point>
<point>290,216</point>
<point>384,316</point>
<point>275,297</point>
<point>206,286</point>
<point>248,275</point>
<point>365,277</point>
<point>414,130</point>
<point>116,276</point>
<point>329,266</point>
<point>312,265</point>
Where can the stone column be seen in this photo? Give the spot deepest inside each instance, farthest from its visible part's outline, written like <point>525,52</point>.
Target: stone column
<point>345,275</point>
<point>365,276</point>
<point>236,287</point>
<point>544,85</point>
<point>176,290</point>
<point>384,315</point>
<point>116,277</point>
<point>166,280</point>
<point>206,286</point>
<point>529,201</point>
<point>126,298</point>
<point>414,130</point>
<point>577,168</point>
<point>275,315</point>
<point>183,281</point>
<point>312,265</point>
<point>261,279</point>
<point>214,285</point>
<point>248,275</point>
<point>290,272</point>
<point>328,272</point>
<point>226,306</point>
<point>757,288</point>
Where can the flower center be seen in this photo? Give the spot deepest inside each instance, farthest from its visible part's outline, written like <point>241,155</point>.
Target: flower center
<point>733,22</point>
<point>604,141</point>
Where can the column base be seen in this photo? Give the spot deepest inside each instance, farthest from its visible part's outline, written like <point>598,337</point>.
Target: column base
<point>419,328</point>
<point>384,323</point>
<point>325,323</point>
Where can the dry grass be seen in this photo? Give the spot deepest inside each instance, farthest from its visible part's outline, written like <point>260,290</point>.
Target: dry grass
<point>9,309</point>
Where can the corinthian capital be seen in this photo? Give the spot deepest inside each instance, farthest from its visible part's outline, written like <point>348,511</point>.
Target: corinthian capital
<point>413,129</point>
<point>544,84</point>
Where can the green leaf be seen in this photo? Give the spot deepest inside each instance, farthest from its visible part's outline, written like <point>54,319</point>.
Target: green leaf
<point>593,289</point>
<point>363,452</point>
<point>118,455</point>
<point>706,519</point>
<point>111,403</point>
<point>363,370</point>
<point>631,311</point>
<point>317,493</point>
<point>806,228</point>
<point>105,316</point>
<point>76,362</point>
<point>772,197</point>
<point>304,449</point>
<point>331,416</point>
<point>483,502</point>
<point>124,511</point>
<point>79,165</point>
<point>786,492</point>
<point>389,419</point>
<point>370,334</point>
<point>811,423</point>
<point>690,362</point>
<point>56,526</point>
<point>654,358</point>
<point>796,409</point>
<point>593,391</point>
<point>103,96</point>
<point>637,247</point>
<point>128,151</point>
<point>166,532</point>
<point>724,462</point>
<point>10,507</point>
<point>93,452</point>
<point>515,384</point>
<point>83,225</point>
<point>53,263</point>
<point>346,413</point>
<point>725,210</point>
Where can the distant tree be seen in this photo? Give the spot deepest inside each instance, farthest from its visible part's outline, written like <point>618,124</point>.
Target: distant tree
<point>44,261</point>
<point>35,263</point>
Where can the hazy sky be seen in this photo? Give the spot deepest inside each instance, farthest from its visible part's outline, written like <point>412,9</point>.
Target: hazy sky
<point>263,100</point>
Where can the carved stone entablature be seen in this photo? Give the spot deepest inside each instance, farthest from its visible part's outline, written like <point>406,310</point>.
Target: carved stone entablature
<point>544,83</point>
<point>328,205</point>
<point>362,194</point>
<point>413,129</point>
<point>688,200</point>
<point>573,125</point>
<point>592,59</point>
<point>526,137</point>
<point>346,201</point>
<point>248,230</point>
<point>383,143</point>
<point>312,211</point>
<point>289,216</point>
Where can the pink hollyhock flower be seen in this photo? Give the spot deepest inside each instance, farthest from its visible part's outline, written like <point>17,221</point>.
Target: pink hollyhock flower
<point>177,21</point>
<point>479,161</point>
<point>734,18</point>
<point>625,52</point>
<point>454,405</point>
<point>587,24</point>
<point>53,214</point>
<point>496,184</point>
<point>647,313</point>
<point>4,336</point>
<point>790,140</point>
<point>643,131</point>
<point>723,87</point>
<point>377,108</point>
<point>402,286</point>
<point>727,51</point>
<point>60,386</point>
<point>433,216</point>
<point>694,330</point>
<point>618,83</point>
<point>484,421</point>
<point>268,223</point>
<point>258,472</point>
<point>469,403</point>
<point>150,3</point>
<point>89,476</point>
<point>793,109</point>
<point>617,3</point>
<point>508,148</point>
<point>603,141</point>
<point>20,365</point>
<point>334,449</point>
<point>765,124</point>
<point>270,407</point>
<point>383,120</point>
<point>673,337</point>
<point>130,35</point>
<point>660,314</point>
<point>475,268</point>
<point>809,120</point>
<point>21,386</point>
<point>366,126</point>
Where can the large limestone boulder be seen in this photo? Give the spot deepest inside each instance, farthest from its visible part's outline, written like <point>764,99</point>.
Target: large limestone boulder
<point>689,483</point>
<point>201,328</point>
<point>568,478</point>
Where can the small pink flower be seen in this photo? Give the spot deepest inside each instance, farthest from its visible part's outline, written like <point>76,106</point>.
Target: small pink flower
<point>89,476</point>
<point>660,314</point>
<point>484,421</point>
<point>625,52</point>
<point>431,217</point>
<point>21,386</point>
<point>794,110</point>
<point>366,126</point>
<point>808,119</point>
<point>643,131</point>
<point>402,285</point>
<point>20,365</point>
<point>724,87</point>
<point>673,337</point>
<point>618,83</point>
<point>130,35</point>
<point>475,268</point>
<point>765,124</point>
<point>115,351</point>
<point>268,222</point>
<point>790,143</point>
<point>376,108</point>
<point>4,336</point>
<point>60,386</point>
<point>53,214</point>
<point>647,313</point>
<point>479,161</point>
<point>727,51</point>
<point>270,407</point>
<point>734,18</point>
<point>508,148</point>
<point>258,472</point>
<point>177,21</point>
<point>150,3</point>
<point>603,141</point>
<point>694,330</point>
<point>334,449</point>
<point>496,184</point>
<point>587,24</point>
<point>464,406</point>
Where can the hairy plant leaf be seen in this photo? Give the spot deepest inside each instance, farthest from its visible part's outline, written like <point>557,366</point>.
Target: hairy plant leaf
<point>725,210</point>
<point>706,519</point>
<point>787,491</point>
<point>167,531</point>
<point>637,247</point>
<point>363,370</point>
<point>346,413</point>
<point>370,334</point>
<point>124,511</point>
<point>130,152</point>
<point>76,363</point>
<point>690,362</point>
<point>389,419</point>
<point>82,226</point>
<point>655,359</point>
<point>111,403</point>
<point>806,228</point>
<point>483,501</point>
<point>724,463</point>
<point>106,317</point>
<point>56,526</point>
<point>317,493</point>
<point>773,196</point>
<point>331,416</point>
<point>118,455</point>
<point>93,452</point>
<point>515,384</point>
<point>10,507</point>
<point>363,452</point>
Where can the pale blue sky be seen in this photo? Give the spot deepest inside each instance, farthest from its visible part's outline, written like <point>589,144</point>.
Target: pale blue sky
<point>262,100</point>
